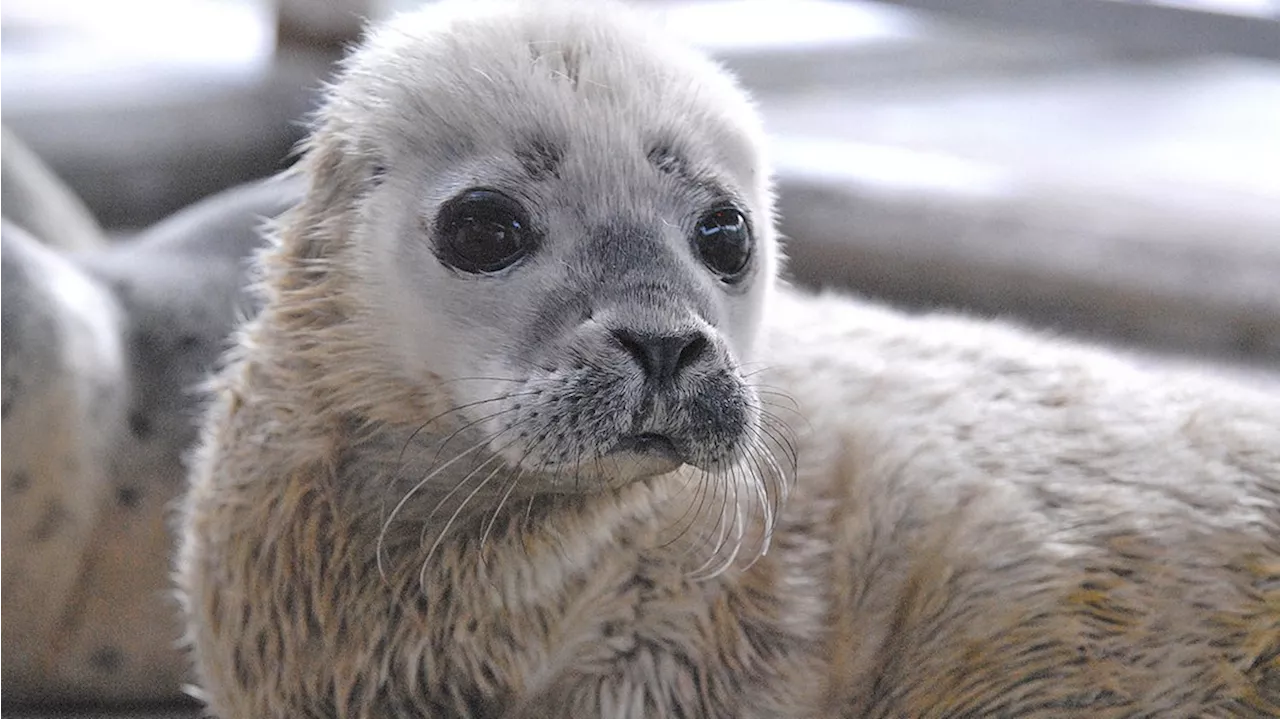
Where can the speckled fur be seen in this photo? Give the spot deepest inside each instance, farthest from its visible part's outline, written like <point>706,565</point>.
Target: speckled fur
<point>103,355</point>
<point>64,384</point>
<point>984,522</point>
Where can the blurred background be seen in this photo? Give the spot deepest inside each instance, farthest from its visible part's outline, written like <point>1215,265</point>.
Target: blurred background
<point>1105,167</point>
<point>1100,168</point>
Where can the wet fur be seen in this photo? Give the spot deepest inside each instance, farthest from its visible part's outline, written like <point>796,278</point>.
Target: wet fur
<point>983,522</point>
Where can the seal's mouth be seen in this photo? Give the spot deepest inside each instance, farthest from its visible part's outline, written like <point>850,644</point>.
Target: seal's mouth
<point>651,444</point>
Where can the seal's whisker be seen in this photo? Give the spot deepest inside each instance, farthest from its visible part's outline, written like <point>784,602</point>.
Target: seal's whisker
<point>756,455</point>
<point>766,408</point>
<point>540,471</point>
<point>773,396</point>
<point>399,465</point>
<point>482,379</point>
<point>771,474</point>
<point>783,464</point>
<point>444,531</point>
<point>497,510</point>
<point>528,510</point>
<point>760,506</point>
<point>754,372</point>
<point>781,434</point>
<point>496,454</point>
<point>382,533</point>
<point>413,435</point>
<point>692,510</point>
<point>515,480</point>
<point>725,527</point>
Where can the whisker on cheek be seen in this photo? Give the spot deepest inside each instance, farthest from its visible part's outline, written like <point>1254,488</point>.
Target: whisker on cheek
<point>427,521</point>
<point>511,486</point>
<point>444,531</point>
<point>414,435</point>
<point>437,468</point>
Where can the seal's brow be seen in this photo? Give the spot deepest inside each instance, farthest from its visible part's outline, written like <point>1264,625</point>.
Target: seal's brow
<point>540,156</point>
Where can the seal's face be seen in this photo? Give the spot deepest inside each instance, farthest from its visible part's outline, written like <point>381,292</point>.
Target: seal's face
<point>609,337</point>
<point>570,227</point>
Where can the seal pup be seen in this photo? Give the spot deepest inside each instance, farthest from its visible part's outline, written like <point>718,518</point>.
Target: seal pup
<point>103,352</point>
<point>504,334</point>
<point>64,380</point>
<point>511,436</point>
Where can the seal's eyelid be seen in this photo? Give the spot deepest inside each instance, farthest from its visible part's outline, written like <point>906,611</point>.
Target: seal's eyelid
<point>715,197</point>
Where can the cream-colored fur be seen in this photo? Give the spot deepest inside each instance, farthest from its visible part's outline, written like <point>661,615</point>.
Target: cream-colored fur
<point>980,522</point>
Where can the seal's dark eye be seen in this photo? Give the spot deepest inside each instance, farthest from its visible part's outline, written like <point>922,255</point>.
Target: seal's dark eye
<point>723,240</point>
<point>482,231</point>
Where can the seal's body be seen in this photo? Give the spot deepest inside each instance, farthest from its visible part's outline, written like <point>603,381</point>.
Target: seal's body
<point>1021,527</point>
<point>101,351</point>
<point>525,429</point>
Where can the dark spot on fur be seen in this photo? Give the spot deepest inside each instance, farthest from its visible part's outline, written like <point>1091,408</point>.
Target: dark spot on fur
<point>8,395</point>
<point>1268,670</point>
<point>128,496</point>
<point>264,647</point>
<point>186,343</point>
<point>54,517</point>
<point>107,659</point>
<point>666,160</point>
<point>20,481</point>
<point>139,425</point>
<point>670,162</point>
<point>123,289</point>
<point>243,668</point>
<point>540,157</point>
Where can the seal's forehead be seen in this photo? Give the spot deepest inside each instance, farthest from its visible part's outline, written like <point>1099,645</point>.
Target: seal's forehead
<point>534,78</point>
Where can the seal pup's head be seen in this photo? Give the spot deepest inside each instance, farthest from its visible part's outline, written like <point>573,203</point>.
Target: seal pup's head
<point>550,221</point>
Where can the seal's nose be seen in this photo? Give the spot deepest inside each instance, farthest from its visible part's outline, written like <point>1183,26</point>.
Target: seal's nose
<point>663,356</point>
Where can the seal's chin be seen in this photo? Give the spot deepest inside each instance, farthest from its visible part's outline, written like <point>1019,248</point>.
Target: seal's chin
<point>647,454</point>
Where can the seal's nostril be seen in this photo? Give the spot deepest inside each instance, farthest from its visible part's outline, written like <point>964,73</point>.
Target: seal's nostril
<point>635,346</point>
<point>693,351</point>
<point>662,357</point>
